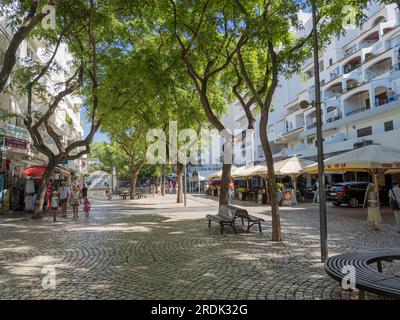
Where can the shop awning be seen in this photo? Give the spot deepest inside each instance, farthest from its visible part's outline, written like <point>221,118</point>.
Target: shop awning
<point>35,171</point>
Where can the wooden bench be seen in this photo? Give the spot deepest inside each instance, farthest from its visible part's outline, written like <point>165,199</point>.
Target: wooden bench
<point>123,196</point>
<point>227,215</point>
<point>366,278</point>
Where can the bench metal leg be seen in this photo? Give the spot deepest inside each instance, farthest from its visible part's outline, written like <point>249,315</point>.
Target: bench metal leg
<point>259,226</point>
<point>222,228</point>
<point>209,223</point>
<point>234,227</point>
<point>379,264</point>
<point>242,222</point>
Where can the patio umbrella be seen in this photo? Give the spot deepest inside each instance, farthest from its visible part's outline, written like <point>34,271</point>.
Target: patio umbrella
<point>35,171</point>
<point>241,172</point>
<point>375,159</point>
<point>218,174</point>
<point>293,166</point>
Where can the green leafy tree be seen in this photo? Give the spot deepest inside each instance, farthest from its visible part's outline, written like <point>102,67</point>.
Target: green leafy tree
<point>110,156</point>
<point>24,17</point>
<point>272,49</point>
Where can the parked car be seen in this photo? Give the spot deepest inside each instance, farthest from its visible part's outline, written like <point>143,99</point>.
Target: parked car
<point>353,194</point>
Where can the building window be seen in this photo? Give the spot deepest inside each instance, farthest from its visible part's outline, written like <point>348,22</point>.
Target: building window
<point>364,132</point>
<point>389,125</point>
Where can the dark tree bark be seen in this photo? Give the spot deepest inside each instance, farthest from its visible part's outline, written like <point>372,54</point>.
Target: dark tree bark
<point>40,197</point>
<point>163,179</point>
<point>201,81</point>
<point>271,181</point>
<point>179,177</point>
<point>224,191</point>
<point>134,176</point>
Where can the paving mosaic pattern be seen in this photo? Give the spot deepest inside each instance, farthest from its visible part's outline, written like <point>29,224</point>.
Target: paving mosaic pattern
<point>152,249</point>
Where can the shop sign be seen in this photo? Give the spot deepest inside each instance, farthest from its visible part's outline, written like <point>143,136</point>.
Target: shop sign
<point>9,129</point>
<point>15,143</point>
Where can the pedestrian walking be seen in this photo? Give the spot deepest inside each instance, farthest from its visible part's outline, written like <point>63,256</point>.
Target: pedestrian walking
<point>109,193</point>
<point>84,191</point>
<point>316,193</point>
<point>74,201</point>
<point>86,207</point>
<point>231,190</point>
<point>63,193</point>
<point>394,196</point>
<point>54,204</point>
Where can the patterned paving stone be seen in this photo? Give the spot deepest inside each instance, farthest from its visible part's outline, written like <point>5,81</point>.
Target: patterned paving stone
<point>154,249</point>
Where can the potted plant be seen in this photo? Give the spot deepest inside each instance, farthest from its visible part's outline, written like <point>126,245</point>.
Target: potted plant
<point>279,187</point>
<point>242,192</point>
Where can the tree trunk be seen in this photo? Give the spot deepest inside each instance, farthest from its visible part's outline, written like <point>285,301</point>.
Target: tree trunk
<point>21,33</point>
<point>271,181</point>
<point>179,176</point>
<point>226,176</point>
<point>38,210</point>
<point>134,176</point>
<point>163,179</point>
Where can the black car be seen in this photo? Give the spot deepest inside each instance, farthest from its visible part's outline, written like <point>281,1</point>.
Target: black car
<point>353,194</point>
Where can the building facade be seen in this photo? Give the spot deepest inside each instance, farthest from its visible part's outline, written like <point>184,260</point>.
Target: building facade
<point>360,87</point>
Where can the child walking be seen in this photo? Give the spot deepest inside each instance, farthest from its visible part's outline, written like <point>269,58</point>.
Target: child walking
<point>86,207</point>
<point>54,204</point>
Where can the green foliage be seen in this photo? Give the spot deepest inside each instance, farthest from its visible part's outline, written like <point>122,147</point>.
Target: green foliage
<point>110,155</point>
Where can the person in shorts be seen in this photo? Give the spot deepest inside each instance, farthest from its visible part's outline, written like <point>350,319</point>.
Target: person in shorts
<point>63,193</point>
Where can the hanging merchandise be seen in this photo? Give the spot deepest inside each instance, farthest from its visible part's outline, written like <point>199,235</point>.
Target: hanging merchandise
<point>29,187</point>
<point>30,202</point>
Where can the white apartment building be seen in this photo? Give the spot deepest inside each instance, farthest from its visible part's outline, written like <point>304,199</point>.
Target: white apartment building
<point>18,152</point>
<point>360,84</point>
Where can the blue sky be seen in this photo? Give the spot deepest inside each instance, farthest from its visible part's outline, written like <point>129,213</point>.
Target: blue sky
<point>99,137</point>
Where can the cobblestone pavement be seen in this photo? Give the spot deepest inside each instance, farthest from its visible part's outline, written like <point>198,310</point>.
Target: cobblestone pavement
<point>154,249</point>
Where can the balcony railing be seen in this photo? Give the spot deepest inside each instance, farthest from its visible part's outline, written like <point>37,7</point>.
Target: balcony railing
<point>334,118</point>
<point>312,126</point>
<point>374,74</point>
<point>359,110</point>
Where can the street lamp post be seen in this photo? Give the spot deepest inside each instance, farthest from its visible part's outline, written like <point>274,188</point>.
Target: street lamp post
<point>320,147</point>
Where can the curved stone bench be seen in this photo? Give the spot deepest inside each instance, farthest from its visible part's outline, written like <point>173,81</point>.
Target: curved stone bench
<point>367,278</point>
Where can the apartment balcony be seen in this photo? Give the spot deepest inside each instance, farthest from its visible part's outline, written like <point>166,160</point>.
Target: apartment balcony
<point>312,126</point>
<point>357,110</point>
<point>334,117</point>
<point>394,73</point>
<point>308,94</point>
